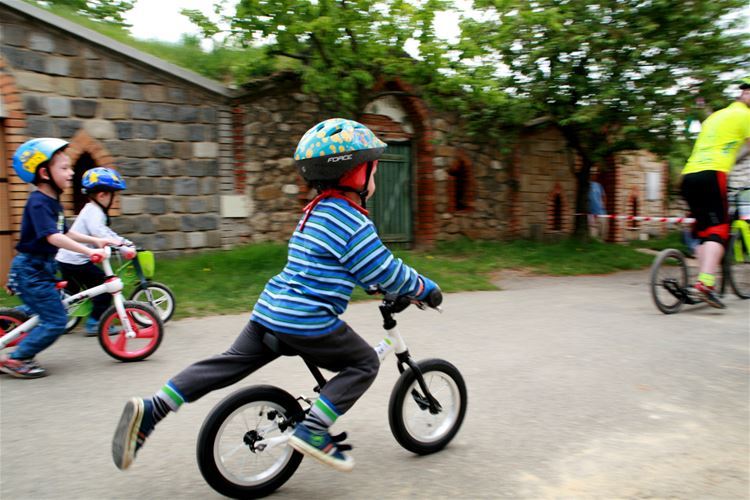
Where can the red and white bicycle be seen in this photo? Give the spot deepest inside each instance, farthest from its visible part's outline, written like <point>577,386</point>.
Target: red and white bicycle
<point>139,327</point>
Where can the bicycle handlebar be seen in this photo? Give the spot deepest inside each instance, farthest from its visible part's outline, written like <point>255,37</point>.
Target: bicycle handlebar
<point>401,302</point>
<point>126,251</point>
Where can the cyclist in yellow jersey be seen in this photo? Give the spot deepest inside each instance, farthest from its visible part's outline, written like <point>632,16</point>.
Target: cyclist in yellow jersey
<point>704,185</point>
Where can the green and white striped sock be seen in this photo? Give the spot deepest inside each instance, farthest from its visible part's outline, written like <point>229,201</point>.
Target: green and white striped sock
<point>167,399</point>
<point>322,415</point>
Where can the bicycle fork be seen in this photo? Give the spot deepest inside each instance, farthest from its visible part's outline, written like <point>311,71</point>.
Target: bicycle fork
<point>394,342</point>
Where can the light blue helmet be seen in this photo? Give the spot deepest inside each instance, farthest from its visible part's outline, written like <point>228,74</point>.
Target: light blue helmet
<point>100,179</point>
<point>35,153</point>
<point>333,147</point>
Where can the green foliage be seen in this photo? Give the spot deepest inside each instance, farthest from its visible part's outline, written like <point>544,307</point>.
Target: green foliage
<point>103,11</point>
<point>613,74</point>
<point>342,48</point>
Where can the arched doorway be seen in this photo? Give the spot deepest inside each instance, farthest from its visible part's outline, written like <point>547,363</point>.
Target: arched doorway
<point>400,118</point>
<point>84,163</point>
<point>391,207</point>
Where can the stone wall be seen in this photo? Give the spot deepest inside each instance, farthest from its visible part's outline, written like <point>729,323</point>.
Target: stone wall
<point>276,114</point>
<point>170,138</point>
<point>484,215</point>
<point>275,118</point>
<point>544,184</point>
<point>636,170</point>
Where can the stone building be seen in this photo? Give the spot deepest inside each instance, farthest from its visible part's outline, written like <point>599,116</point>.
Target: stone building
<point>210,167</point>
<point>433,183</point>
<point>167,130</point>
<point>543,203</point>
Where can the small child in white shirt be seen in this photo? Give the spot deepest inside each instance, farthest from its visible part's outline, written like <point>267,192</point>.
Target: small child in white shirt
<point>101,185</point>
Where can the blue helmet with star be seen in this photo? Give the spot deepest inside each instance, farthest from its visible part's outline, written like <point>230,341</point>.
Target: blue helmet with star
<point>100,179</point>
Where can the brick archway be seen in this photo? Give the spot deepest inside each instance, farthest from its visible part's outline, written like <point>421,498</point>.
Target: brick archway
<point>557,210</point>
<point>13,191</point>
<point>83,144</point>
<point>425,226</point>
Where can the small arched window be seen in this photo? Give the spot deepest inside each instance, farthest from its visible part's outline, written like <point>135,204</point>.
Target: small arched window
<point>634,212</point>
<point>461,188</point>
<point>557,209</point>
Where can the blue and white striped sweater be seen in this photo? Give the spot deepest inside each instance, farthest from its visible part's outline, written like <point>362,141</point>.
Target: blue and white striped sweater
<point>338,249</point>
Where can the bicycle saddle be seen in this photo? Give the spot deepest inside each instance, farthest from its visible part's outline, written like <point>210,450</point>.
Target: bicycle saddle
<point>272,342</point>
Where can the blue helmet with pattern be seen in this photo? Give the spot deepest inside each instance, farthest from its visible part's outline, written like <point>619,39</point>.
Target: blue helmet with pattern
<point>100,179</point>
<point>35,153</point>
<point>333,147</point>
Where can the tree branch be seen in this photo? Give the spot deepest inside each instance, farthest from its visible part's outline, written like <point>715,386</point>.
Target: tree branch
<point>321,50</point>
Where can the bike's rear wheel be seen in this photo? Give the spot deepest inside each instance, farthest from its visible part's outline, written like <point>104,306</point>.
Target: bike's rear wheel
<point>413,425</point>
<point>737,270</point>
<point>9,319</point>
<point>145,322</point>
<point>229,454</point>
<point>669,278</point>
<point>159,296</point>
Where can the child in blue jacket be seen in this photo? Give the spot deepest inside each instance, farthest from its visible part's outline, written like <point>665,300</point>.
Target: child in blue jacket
<point>334,247</point>
<point>44,163</point>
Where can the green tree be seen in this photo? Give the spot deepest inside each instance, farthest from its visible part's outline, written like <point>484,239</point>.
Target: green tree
<point>613,75</point>
<point>105,11</point>
<point>341,48</point>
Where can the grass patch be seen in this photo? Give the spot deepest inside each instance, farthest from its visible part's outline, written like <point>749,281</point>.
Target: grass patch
<point>230,281</point>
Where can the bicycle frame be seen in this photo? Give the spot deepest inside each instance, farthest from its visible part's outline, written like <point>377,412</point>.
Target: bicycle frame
<point>742,244</point>
<point>119,272</point>
<point>392,342</point>
<point>113,285</point>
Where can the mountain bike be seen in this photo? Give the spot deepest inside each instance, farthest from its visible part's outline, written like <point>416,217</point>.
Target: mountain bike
<point>138,272</point>
<point>242,446</point>
<point>670,277</point>
<point>140,327</point>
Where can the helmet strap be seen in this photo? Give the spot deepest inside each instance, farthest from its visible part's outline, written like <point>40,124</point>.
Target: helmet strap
<point>41,180</point>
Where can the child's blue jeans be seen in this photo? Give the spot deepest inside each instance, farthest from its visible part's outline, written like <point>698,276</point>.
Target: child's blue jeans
<point>32,277</point>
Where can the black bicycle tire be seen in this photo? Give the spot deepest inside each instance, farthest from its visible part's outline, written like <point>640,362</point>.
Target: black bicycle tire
<point>129,305</point>
<point>15,314</point>
<point>729,259</point>
<point>658,262</point>
<point>212,425</point>
<point>162,287</point>
<point>401,392</point>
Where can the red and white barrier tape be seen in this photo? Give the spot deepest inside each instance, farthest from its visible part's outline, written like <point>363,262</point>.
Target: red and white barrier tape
<point>671,220</point>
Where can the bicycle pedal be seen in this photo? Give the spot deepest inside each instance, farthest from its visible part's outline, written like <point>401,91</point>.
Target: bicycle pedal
<point>304,398</point>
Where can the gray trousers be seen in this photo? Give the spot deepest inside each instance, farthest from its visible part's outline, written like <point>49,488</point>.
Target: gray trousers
<point>342,351</point>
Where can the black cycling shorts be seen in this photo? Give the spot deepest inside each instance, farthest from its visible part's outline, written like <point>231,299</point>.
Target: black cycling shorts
<point>706,194</point>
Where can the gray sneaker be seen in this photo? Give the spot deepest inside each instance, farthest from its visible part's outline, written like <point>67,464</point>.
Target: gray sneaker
<point>125,442</point>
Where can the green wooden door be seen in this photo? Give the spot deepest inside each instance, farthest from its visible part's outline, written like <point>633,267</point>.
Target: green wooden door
<point>390,207</point>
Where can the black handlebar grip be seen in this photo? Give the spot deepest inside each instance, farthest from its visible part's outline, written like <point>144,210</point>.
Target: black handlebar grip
<point>435,298</point>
